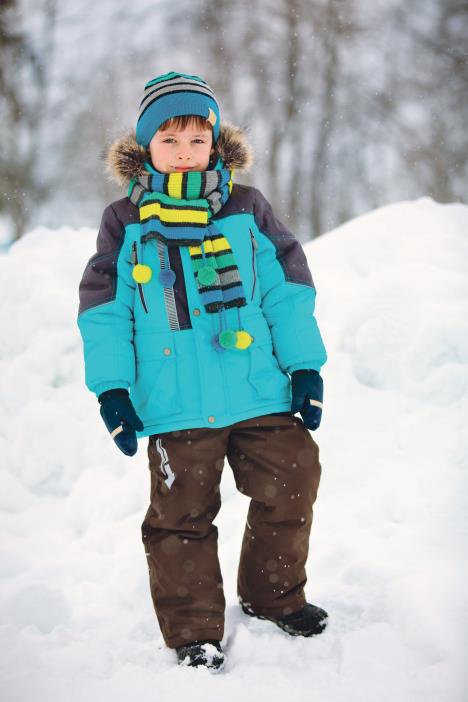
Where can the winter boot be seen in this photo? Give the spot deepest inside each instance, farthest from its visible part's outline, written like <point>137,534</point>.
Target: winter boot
<point>308,621</point>
<point>207,653</point>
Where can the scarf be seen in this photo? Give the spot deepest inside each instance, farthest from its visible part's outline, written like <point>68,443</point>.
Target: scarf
<point>177,209</point>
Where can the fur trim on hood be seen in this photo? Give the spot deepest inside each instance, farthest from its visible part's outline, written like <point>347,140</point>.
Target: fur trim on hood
<point>125,158</point>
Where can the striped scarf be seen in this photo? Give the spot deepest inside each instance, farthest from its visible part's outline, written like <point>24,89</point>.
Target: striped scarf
<point>177,208</point>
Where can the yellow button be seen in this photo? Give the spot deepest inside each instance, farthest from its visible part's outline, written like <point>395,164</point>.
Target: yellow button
<point>211,418</point>
<point>196,311</point>
<point>167,351</point>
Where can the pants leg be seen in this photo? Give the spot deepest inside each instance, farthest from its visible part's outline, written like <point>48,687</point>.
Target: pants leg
<point>275,462</point>
<point>179,537</point>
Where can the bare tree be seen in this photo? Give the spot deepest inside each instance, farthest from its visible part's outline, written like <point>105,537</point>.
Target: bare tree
<point>24,78</point>
<point>438,157</point>
<point>349,105</point>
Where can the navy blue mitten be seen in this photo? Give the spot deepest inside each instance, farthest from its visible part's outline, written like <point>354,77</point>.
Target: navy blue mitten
<point>307,396</point>
<point>121,419</point>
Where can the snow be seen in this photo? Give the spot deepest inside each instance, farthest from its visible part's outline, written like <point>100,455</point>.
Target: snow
<point>388,546</point>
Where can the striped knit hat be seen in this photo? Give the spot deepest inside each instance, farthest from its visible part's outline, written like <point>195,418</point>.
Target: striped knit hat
<point>171,95</point>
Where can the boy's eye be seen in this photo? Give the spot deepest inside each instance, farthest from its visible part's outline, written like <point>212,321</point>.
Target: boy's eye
<point>171,139</point>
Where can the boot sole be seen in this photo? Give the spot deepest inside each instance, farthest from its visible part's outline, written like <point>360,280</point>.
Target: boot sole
<point>212,668</point>
<point>285,627</point>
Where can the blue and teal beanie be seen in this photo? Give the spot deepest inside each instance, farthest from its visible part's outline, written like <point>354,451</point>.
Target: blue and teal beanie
<point>172,95</point>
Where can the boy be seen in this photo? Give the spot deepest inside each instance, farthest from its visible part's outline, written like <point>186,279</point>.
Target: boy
<point>201,304</point>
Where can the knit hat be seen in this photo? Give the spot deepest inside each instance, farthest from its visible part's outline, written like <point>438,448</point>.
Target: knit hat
<point>171,95</point>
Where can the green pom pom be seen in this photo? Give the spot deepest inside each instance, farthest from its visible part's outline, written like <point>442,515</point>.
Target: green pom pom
<point>206,275</point>
<point>228,339</point>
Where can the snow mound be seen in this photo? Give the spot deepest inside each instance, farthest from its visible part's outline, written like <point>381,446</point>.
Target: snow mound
<point>388,548</point>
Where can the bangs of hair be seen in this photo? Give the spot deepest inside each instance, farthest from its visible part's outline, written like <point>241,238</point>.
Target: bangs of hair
<point>183,121</point>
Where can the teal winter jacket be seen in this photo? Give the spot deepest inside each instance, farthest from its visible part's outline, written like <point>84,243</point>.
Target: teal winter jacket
<point>157,341</point>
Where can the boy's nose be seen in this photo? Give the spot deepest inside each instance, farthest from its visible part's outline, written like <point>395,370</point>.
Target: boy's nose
<point>184,155</point>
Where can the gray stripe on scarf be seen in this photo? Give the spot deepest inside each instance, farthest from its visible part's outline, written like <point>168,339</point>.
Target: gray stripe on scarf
<point>226,277</point>
<point>215,201</point>
<point>229,277</point>
<point>137,192</point>
<point>212,180</point>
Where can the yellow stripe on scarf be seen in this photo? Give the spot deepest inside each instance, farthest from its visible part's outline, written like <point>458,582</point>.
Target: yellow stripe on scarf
<point>165,214</point>
<point>174,185</point>
<point>211,246</point>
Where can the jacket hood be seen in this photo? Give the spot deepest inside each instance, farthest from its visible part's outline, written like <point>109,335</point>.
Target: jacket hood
<point>125,158</point>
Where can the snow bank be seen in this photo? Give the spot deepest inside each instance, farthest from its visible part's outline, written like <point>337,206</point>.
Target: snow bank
<point>387,554</point>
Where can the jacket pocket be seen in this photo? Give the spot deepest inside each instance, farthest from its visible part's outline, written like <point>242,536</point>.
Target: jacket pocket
<point>265,374</point>
<point>156,393</point>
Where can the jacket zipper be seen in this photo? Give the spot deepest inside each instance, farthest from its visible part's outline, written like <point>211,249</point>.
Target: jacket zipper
<point>254,248</point>
<point>140,287</point>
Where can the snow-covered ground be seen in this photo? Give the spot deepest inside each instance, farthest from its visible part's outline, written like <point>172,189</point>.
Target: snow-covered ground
<point>388,547</point>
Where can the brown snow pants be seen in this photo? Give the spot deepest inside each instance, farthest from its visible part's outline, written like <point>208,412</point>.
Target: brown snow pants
<point>275,462</point>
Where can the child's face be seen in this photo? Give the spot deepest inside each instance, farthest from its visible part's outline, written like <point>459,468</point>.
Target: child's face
<point>181,150</point>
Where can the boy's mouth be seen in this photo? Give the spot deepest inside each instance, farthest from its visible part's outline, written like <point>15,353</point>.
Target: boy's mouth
<point>183,168</point>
